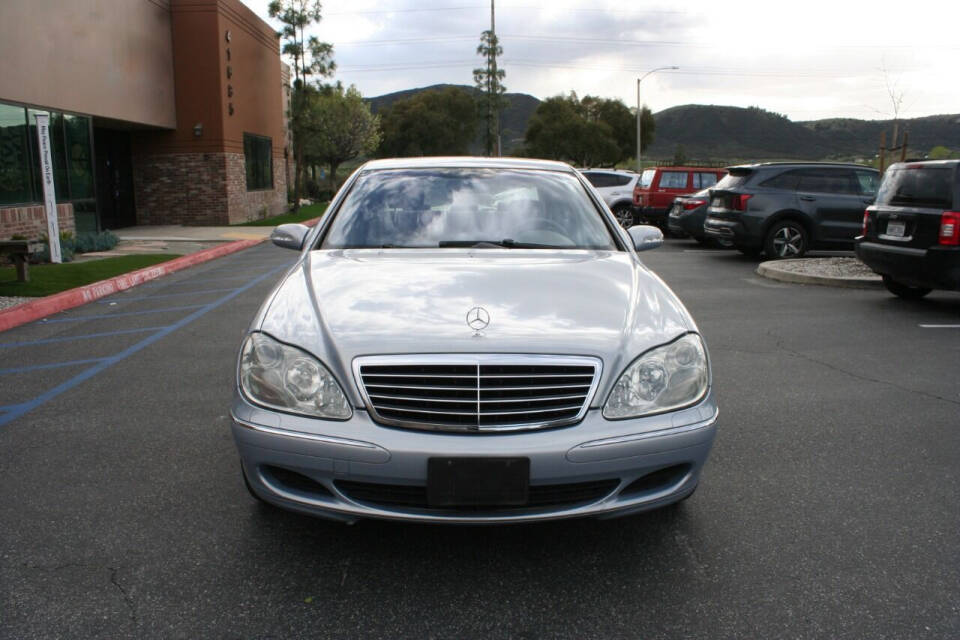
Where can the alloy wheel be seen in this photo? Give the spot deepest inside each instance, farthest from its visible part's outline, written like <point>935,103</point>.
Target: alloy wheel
<point>788,241</point>
<point>624,216</point>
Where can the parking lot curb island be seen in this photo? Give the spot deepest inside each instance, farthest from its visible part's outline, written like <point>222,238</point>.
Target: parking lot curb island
<point>830,272</point>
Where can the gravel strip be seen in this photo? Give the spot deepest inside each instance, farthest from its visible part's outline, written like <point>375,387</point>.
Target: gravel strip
<point>7,302</point>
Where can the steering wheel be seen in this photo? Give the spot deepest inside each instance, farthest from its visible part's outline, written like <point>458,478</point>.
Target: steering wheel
<point>540,222</point>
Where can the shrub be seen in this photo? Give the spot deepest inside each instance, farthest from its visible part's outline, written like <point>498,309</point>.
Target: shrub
<point>67,248</point>
<point>89,241</point>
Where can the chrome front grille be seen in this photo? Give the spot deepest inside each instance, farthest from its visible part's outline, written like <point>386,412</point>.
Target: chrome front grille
<point>489,392</point>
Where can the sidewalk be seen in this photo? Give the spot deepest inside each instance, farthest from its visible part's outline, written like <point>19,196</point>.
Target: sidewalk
<point>175,239</point>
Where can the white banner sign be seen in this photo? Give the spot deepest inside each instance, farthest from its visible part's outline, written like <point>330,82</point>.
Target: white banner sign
<point>49,193</point>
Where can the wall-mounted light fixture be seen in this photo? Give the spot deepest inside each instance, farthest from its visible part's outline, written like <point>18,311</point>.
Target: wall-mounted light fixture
<point>198,130</point>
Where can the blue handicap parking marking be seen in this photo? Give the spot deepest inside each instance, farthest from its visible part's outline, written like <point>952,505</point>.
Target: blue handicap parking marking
<point>12,411</point>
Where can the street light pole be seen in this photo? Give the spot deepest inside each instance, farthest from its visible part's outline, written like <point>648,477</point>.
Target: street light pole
<point>640,110</point>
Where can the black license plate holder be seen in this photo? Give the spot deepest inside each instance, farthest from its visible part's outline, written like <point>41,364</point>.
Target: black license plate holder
<point>478,482</point>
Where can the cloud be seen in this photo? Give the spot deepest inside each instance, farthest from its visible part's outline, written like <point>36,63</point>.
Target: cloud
<point>815,60</point>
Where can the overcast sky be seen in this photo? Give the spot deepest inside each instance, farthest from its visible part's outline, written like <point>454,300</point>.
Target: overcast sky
<point>807,60</point>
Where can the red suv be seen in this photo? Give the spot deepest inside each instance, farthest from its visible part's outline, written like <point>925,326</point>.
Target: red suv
<point>658,186</point>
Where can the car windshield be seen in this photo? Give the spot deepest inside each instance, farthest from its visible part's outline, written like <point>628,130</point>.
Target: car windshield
<point>646,178</point>
<point>483,208</point>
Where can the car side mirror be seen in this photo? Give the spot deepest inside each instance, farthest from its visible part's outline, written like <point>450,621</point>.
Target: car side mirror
<point>290,236</point>
<point>645,237</point>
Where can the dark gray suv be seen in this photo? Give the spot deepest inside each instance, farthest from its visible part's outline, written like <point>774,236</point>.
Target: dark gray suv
<point>786,209</point>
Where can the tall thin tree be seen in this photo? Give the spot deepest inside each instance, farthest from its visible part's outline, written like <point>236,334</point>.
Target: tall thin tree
<point>311,59</point>
<point>489,82</point>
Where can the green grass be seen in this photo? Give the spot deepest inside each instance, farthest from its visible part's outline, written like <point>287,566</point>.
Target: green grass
<point>53,278</point>
<point>306,213</point>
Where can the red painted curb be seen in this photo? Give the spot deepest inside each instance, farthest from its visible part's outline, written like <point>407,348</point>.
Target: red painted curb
<point>36,309</point>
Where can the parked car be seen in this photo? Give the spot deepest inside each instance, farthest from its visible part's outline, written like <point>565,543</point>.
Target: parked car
<point>471,340</point>
<point>911,235</point>
<point>784,209</point>
<point>687,215</point>
<point>616,187</point>
<point>654,193</point>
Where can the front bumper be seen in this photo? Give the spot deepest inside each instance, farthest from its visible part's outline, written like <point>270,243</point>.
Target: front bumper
<point>630,465</point>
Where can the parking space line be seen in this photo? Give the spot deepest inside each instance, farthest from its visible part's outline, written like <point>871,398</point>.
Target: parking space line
<point>106,316</point>
<point>940,326</point>
<point>52,365</point>
<point>189,281</point>
<point>86,336</point>
<point>112,300</point>
<point>12,412</point>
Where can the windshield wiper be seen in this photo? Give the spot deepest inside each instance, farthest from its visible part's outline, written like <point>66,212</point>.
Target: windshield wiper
<point>508,243</point>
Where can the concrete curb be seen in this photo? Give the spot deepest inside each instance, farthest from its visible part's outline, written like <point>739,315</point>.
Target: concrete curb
<point>43,307</point>
<point>780,270</point>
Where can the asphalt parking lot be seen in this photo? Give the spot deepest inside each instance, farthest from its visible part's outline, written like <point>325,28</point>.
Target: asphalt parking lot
<point>828,509</point>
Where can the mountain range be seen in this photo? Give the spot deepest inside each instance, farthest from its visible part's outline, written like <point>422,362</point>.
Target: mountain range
<point>734,134</point>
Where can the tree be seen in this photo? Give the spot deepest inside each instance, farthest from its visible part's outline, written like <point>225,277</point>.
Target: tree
<point>489,81</point>
<point>339,127</point>
<point>439,122</point>
<point>622,122</point>
<point>941,153</point>
<point>679,156</point>
<point>589,132</point>
<point>310,58</point>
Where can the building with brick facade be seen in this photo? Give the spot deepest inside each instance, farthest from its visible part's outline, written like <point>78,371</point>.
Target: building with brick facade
<point>162,112</point>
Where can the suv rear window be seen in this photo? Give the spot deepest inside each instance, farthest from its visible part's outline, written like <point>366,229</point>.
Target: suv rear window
<point>646,178</point>
<point>733,180</point>
<point>917,187</point>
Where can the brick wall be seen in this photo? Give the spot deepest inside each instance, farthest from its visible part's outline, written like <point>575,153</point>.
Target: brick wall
<point>180,188</point>
<point>253,205</point>
<point>202,189</point>
<point>31,221</point>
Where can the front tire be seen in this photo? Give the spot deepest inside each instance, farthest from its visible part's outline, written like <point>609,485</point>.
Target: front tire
<point>786,239</point>
<point>904,291</point>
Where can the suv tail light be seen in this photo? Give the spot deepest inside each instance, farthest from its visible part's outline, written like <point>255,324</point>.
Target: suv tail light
<point>739,202</point>
<point>866,221</point>
<point>950,228</point>
<point>693,204</point>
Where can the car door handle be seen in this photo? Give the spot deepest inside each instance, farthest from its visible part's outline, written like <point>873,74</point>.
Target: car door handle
<point>808,198</point>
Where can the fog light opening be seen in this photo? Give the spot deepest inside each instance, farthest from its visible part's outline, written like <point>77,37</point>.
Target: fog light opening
<point>657,481</point>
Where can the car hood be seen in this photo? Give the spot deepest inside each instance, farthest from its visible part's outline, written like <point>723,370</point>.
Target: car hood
<point>341,304</point>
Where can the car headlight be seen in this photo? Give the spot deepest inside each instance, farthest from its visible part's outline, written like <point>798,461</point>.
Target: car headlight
<point>282,377</point>
<point>663,379</point>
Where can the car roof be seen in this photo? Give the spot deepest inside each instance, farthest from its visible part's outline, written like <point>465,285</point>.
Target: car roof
<point>466,162</point>
<point>620,172</point>
<point>927,163</point>
<point>760,165</point>
<point>683,168</point>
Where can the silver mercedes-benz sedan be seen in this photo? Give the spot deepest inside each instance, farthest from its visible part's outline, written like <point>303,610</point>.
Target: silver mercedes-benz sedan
<point>471,340</point>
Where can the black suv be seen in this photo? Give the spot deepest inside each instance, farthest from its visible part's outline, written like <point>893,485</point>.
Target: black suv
<point>785,209</point>
<point>911,236</point>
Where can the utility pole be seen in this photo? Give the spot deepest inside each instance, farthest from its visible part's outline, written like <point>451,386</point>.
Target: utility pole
<point>640,112</point>
<point>493,58</point>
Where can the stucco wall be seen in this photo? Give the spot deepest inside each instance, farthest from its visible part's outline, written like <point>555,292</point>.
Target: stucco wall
<point>105,58</point>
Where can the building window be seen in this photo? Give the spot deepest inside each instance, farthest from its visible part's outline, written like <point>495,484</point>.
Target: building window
<point>70,151</point>
<point>257,153</point>
<point>15,183</point>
